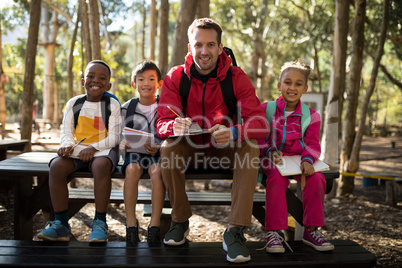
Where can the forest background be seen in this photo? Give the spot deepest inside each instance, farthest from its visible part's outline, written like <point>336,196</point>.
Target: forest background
<point>353,46</point>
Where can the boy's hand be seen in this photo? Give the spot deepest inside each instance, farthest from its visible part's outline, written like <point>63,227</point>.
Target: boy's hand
<point>87,154</point>
<point>221,134</point>
<point>307,168</point>
<point>277,158</point>
<point>64,151</point>
<point>152,148</point>
<point>124,145</point>
<point>181,125</point>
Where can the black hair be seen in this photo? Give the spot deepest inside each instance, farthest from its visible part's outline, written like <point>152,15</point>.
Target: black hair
<point>103,63</point>
<point>143,66</point>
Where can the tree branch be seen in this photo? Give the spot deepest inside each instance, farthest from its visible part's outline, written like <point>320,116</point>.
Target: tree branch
<point>390,77</point>
<point>57,9</point>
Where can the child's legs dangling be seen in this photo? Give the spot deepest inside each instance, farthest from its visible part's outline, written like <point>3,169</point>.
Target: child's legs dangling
<point>276,215</point>
<point>313,199</point>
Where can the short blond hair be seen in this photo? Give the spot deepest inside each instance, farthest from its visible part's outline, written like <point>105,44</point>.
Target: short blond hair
<point>299,65</point>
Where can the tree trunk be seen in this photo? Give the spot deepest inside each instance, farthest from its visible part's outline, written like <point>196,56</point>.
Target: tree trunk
<point>85,31</point>
<point>144,25</point>
<point>3,110</point>
<point>184,18</point>
<point>337,85</point>
<point>94,26</point>
<point>256,74</point>
<point>163,36</point>
<point>49,42</point>
<point>346,185</point>
<point>106,38</point>
<point>29,75</point>
<point>152,27</point>
<point>70,60</point>
<point>202,9</point>
<point>354,158</point>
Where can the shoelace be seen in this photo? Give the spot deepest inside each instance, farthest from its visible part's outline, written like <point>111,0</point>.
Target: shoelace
<point>316,234</point>
<point>239,237</point>
<point>272,236</point>
<point>96,225</point>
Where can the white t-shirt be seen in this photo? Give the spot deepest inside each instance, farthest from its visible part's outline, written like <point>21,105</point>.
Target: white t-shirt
<point>147,110</point>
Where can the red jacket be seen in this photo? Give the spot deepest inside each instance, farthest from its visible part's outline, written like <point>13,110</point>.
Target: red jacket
<point>287,133</point>
<point>205,104</point>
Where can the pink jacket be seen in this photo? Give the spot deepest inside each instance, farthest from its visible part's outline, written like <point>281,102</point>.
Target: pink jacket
<point>287,133</point>
<point>205,104</point>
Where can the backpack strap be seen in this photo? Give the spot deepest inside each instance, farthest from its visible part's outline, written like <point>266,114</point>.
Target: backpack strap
<point>184,88</point>
<point>130,111</point>
<point>105,109</point>
<point>269,114</point>
<point>77,108</point>
<point>305,119</point>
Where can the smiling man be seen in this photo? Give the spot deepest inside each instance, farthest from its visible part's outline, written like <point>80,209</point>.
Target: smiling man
<point>225,145</point>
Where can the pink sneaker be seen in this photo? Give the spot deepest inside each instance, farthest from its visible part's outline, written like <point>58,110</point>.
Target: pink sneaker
<point>274,243</point>
<point>316,240</point>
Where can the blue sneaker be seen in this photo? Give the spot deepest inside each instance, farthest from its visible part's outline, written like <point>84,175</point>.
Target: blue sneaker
<point>55,231</point>
<point>99,231</point>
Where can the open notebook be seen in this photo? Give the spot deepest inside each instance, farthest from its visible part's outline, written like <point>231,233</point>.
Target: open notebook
<point>291,165</point>
<point>137,139</point>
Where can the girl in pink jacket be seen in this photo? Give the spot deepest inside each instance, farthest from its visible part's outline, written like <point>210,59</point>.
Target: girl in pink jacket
<point>286,139</point>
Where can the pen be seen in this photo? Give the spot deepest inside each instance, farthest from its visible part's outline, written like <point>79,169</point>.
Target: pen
<point>276,148</point>
<point>174,112</point>
<point>72,148</point>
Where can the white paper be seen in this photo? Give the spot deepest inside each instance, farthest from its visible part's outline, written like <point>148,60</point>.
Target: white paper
<point>137,139</point>
<point>291,165</point>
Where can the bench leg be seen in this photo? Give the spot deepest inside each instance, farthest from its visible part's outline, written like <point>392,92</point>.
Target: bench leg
<point>23,225</point>
<point>391,193</point>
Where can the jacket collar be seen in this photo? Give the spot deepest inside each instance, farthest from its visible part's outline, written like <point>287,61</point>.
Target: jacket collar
<point>224,62</point>
<point>281,104</point>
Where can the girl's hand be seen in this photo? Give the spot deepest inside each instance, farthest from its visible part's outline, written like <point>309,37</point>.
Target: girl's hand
<point>87,154</point>
<point>277,158</point>
<point>152,148</point>
<point>307,168</point>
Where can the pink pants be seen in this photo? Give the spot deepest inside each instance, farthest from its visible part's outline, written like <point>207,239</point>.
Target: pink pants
<point>276,215</point>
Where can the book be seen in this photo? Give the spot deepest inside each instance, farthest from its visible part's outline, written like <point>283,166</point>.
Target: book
<point>291,165</point>
<point>137,139</point>
<point>80,147</point>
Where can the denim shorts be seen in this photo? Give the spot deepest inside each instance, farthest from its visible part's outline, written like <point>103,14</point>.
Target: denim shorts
<point>144,160</point>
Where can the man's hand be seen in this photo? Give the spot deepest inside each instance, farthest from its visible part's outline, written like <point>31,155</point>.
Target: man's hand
<point>181,125</point>
<point>221,134</point>
<point>152,148</point>
<point>307,168</point>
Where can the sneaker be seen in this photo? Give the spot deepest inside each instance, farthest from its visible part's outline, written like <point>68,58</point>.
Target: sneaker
<point>316,240</point>
<point>274,243</point>
<point>233,244</point>
<point>154,234</point>
<point>177,233</point>
<point>99,231</point>
<point>55,231</point>
<point>132,234</point>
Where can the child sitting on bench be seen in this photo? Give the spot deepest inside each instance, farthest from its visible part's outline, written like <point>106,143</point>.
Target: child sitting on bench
<point>96,124</point>
<point>284,139</point>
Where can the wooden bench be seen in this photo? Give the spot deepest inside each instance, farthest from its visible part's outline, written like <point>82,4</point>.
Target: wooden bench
<point>11,145</point>
<point>28,200</point>
<point>191,254</point>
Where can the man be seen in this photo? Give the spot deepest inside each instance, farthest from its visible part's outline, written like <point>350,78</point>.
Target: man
<point>227,145</point>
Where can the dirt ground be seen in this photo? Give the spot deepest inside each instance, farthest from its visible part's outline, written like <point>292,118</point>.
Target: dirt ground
<point>363,217</point>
